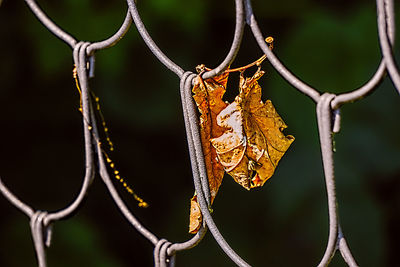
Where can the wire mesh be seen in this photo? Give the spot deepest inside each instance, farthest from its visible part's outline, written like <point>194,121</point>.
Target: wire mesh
<point>327,112</point>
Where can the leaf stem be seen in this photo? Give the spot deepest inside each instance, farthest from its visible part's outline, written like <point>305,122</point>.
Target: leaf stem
<point>269,40</point>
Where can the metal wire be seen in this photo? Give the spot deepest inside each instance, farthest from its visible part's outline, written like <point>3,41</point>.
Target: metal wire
<point>45,218</point>
<point>325,128</point>
<point>327,112</point>
<point>173,66</point>
<point>385,10</point>
<point>326,105</point>
<point>49,24</point>
<point>113,40</point>
<point>199,172</point>
<point>237,40</point>
<point>150,43</point>
<point>15,200</point>
<point>79,51</point>
<point>114,194</point>
<point>36,224</point>
<point>379,74</point>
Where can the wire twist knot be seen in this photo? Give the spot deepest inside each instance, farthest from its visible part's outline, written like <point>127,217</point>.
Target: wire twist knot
<point>161,257</point>
<point>41,235</point>
<point>89,56</point>
<point>326,102</point>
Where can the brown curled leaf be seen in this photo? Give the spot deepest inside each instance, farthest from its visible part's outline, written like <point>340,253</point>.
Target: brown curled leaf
<point>253,142</point>
<point>208,97</point>
<point>196,217</point>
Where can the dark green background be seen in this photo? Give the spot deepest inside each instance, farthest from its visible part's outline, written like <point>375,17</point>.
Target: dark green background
<point>331,45</point>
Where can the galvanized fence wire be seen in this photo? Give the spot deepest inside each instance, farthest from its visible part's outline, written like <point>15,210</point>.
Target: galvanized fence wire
<point>327,113</point>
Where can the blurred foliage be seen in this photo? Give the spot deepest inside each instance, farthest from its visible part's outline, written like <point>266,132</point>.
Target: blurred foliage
<point>330,44</point>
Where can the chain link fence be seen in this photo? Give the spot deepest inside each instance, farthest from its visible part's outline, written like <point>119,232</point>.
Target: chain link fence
<point>327,106</point>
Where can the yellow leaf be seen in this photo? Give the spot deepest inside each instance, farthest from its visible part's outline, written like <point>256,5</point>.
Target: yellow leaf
<point>208,97</point>
<point>243,138</point>
<point>196,218</point>
<point>252,143</point>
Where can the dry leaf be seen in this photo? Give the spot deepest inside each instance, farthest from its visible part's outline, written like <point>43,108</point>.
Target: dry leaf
<point>196,217</point>
<point>208,97</point>
<point>243,138</point>
<point>253,142</point>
